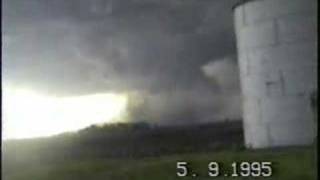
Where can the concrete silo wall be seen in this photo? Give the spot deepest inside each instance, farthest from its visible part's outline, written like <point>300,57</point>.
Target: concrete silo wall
<point>277,53</point>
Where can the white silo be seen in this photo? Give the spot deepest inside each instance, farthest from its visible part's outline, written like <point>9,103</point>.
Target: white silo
<point>277,54</point>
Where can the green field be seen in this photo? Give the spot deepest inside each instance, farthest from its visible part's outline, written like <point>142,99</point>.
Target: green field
<point>287,164</point>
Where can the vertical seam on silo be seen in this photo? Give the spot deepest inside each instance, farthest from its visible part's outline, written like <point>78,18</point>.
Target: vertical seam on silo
<point>276,31</point>
<point>247,64</point>
<point>242,84</point>
<point>244,21</point>
<point>267,85</point>
<point>259,109</point>
<point>282,83</point>
<point>269,137</point>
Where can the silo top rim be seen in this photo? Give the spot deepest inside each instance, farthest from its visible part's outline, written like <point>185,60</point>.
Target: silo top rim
<point>241,2</point>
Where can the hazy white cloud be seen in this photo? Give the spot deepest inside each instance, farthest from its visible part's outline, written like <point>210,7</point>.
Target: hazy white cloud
<point>224,71</point>
<point>225,74</point>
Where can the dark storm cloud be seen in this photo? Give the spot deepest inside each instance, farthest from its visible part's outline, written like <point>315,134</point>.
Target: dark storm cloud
<point>155,48</point>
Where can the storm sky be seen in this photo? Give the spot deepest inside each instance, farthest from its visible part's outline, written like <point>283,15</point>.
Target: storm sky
<point>176,59</point>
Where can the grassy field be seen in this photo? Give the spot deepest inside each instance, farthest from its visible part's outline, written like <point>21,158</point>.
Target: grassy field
<point>288,164</point>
